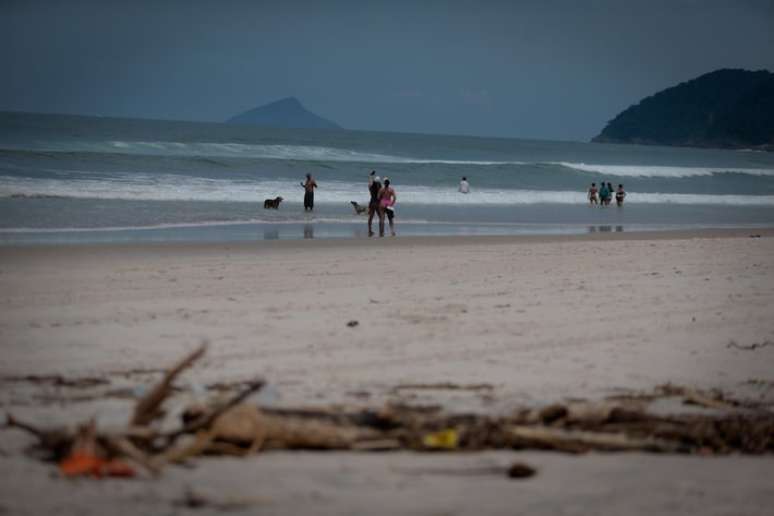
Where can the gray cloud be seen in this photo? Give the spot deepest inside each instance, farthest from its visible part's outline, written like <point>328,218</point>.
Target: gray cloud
<point>550,69</point>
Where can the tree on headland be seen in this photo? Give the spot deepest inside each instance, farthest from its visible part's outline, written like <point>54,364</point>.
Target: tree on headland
<point>725,108</point>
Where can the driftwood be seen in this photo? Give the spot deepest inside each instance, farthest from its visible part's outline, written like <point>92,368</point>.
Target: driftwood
<point>751,347</point>
<point>57,380</point>
<point>579,441</point>
<point>147,409</point>
<point>236,427</point>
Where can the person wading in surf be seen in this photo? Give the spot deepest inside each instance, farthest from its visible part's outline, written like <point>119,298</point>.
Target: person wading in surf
<point>309,186</point>
<point>387,207</point>
<point>373,205</point>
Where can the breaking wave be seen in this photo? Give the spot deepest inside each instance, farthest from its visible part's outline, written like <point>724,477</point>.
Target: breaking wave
<point>661,171</point>
<point>313,153</point>
<point>168,187</point>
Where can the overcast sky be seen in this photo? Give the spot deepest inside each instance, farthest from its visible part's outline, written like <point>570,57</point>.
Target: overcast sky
<point>532,69</point>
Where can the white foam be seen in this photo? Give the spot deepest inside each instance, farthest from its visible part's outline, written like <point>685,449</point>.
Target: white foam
<point>336,154</point>
<point>284,152</point>
<point>169,187</point>
<point>243,150</point>
<point>662,171</point>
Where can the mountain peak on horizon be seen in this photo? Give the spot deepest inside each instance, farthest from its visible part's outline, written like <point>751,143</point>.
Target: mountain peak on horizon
<point>287,112</point>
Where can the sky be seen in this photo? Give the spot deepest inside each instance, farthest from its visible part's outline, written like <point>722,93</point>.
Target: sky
<point>548,69</point>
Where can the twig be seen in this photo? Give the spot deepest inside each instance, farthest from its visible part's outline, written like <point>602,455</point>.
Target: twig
<point>147,408</point>
<point>754,345</point>
<point>575,441</point>
<point>128,449</point>
<point>444,386</point>
<point>12,422</point>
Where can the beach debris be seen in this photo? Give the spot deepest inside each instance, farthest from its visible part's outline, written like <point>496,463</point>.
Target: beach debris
<point>352,323</point>
<point>57,380</point>
<point>192,499</point>
<point>197,499</point>
<point>444,386</point>
<point>521,470</point>
<point>579,441</point>
<point>88,458</point>
<point>755,345</point>
<point>443,440</point>
<point>232,425</point>
<point>148,408</point>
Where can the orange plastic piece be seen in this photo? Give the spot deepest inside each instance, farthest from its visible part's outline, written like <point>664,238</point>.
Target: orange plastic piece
<point>82,464</point>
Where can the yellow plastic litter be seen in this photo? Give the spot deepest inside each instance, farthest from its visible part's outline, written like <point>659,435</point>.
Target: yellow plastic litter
<point>444,440</point>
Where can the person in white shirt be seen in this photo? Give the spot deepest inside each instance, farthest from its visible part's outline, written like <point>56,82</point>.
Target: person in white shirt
<point>464,185</point>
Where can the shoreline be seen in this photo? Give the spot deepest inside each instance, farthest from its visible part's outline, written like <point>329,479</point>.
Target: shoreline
<point>401,241</point>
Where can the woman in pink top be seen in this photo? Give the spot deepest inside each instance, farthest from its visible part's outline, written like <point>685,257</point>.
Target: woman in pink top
<point>387,200</point>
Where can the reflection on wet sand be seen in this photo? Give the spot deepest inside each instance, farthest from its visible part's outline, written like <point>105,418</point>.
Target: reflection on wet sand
<point>308,230</point>
<point>271,234</point>
<point>605,229</point>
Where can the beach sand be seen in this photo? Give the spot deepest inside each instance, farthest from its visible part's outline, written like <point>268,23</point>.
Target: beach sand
<point>539,318</point>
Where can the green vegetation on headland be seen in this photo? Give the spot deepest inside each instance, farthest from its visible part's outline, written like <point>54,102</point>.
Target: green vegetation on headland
<point>724,108</point>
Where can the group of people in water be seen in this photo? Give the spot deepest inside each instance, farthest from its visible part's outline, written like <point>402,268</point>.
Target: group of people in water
<point>383,198</point>
<point>381,203</point>
<point>603,195</point>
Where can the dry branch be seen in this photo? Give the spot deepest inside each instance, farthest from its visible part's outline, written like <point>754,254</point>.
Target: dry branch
<point>148,408</point>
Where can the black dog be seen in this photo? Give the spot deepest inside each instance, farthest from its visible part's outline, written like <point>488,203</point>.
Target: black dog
<point>358,209</point>
<point>272,203</point>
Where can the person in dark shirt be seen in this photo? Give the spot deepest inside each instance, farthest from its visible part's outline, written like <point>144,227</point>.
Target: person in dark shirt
<point>620,194</point>
<point>373,205</point>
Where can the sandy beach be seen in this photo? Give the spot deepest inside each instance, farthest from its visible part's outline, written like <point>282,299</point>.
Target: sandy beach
<point>540,319</point>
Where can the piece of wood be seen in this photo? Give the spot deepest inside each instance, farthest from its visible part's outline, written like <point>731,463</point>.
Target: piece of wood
<point>206,420</point>
<point>580,441</point>
<point>125,447</point>
<point>148,408</point>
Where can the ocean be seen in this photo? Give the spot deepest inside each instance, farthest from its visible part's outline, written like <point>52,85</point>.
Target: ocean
<point>70,179</point>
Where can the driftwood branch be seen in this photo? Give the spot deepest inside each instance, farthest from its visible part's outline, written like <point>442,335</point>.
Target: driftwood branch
<point>148,408</point>
<point>577,441</point>
<point>206,420</point>
<point>125,447</point>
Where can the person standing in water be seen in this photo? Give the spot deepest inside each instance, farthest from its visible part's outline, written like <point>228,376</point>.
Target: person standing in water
<point>593,194</point>
<point>387,200</point>
<point>620,194</point>
<point>374,186</point>
<point>604,195</point>
<point>464,185</point>
<point>309,186</point>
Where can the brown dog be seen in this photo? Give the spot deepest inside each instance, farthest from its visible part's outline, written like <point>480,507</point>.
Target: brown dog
<point>272,204</point>
<point>358,209</point>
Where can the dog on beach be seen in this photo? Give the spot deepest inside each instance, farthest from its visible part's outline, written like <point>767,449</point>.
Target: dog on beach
<point>359,210</point>
<point>272,204</point>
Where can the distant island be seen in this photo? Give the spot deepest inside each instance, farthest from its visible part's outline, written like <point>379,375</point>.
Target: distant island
<point>725,109</point>
<point>287,112</point>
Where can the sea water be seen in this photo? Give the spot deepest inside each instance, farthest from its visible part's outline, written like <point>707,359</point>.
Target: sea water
<point>85,179</point>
